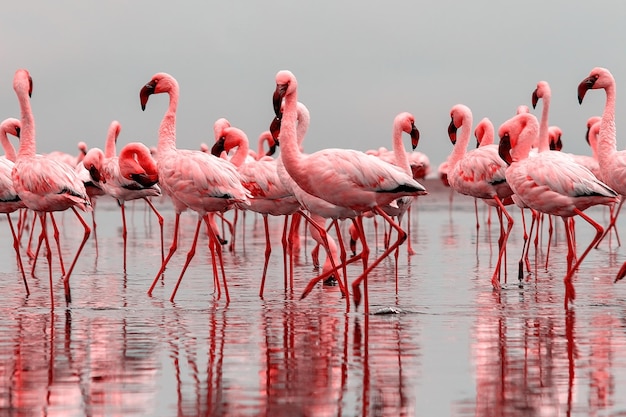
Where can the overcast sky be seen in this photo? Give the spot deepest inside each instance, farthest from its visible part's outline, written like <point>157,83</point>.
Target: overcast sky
<point>358,64</point>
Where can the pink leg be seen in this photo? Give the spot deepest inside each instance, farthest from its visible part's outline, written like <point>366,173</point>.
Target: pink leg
<point>160,220</point>
<point>169,255</point>
<point>58,242</point>
<point>268,252</point>
<point>16,247</point>
<point>124,230</point>
<point>495,282</point>
<point>66,277</point>
<point>324,240</point>
<point>363,277</point>
<point>42,216</point>
<point>570,294</point>
<point>218,248</point>
<point>190,255</point>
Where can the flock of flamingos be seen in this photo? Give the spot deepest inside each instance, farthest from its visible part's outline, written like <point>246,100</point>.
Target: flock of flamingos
<point>524,169</point>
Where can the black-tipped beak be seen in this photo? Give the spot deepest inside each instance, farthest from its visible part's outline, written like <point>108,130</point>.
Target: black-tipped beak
<point>218,147</point>
<point>275,129</point>
<point>272,149</point>
<point>95,175</point>
<point>277,99</point>
<point>146,91</point>
<point>584,86</point>
<point>504,148</point>
<point>415,136</point>
<point>452,132</point>
<point>535,98</point>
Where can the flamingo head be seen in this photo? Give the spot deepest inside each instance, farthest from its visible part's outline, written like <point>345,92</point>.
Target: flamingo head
<point>22,80</point>
<point>285,83</point>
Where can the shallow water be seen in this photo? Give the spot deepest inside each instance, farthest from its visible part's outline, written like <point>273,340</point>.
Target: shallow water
<point>448,345</point>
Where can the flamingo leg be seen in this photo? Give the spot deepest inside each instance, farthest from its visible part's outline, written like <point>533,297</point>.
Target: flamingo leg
<point>363,277</point>
<point>16,247</point>
<point>284,242</point>
<point>58,242</point>
<point>570,294</point>
<point>160,220</point>
<point>190,254</point>
<point>173,248</point>
<point>268,252</point>
<point>218,248</point>
<point>613,217</point>
<point>29,251</point>
<point>495,282</point>
<point>44,235</point>
<point>324,237</point>
<point>66,277</point>
<point>124,229</point>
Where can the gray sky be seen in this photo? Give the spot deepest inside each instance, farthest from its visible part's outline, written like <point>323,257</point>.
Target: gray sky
<point>358,64</point>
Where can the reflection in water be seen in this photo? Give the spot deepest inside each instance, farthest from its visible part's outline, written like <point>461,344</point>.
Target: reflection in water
<point>117,352</point>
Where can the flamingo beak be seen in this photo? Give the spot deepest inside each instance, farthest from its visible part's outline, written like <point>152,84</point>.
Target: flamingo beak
<point>17,131</point>
<point>95,174</point>
<point>535,98</point>
<point>584,86</point>
<point>275,129</point>
<point>272,150</point>
<point>146,92</point>
<point>452,132</point>
<point>30,85</point>
<point>277,99</point>
<point>415,136</point>
<point>218,147</point>
<point>504,148</point>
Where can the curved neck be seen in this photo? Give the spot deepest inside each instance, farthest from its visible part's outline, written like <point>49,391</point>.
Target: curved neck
<point>236,138</point>
<point>289,150</point>
<point>28,146</point>
<point>9,150</point>
<point>544,138</point>
<point>607,142</point>
<point>109,146</point>
<point>167,129</point>
<point>461,144</point>
<point>401,157</point>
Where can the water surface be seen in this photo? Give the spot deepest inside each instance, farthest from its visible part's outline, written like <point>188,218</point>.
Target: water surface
<point>449,344</point>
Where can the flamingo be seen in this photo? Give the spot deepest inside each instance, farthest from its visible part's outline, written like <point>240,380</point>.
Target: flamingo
<point>551,183</point>
<point>9,200</point>
<point>131,175</point>
<point>260,177</point>
<point>479,173</point>
<point>192,179</point>
<point>319,210</point>
<point>42,183</point>
<point>612,162</point>
<point>343,177</point>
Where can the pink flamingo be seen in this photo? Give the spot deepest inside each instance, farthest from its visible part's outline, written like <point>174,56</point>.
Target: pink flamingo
<point>9,200</point>
<point>479,173</point>
<point>260,177</point>
<point>192,179</point>
<point>44,184</point>
<point>341,176</point>
<point>551,183</point>
<point>612,162</point>
<point>319,210</point>
<point>130,176</point>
